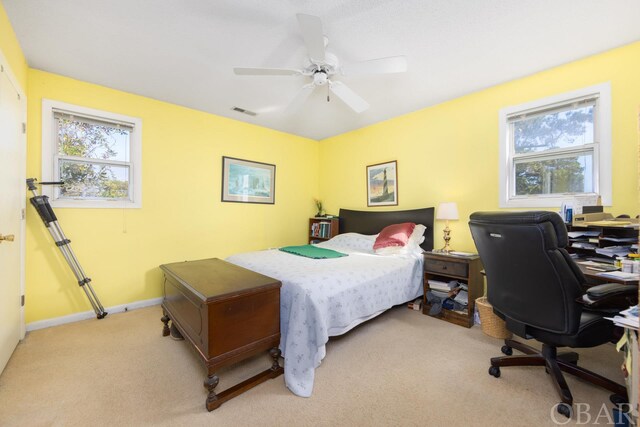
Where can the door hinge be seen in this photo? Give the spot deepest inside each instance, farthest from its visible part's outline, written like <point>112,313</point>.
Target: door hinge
<point>24,127</point>
<point>22,213</point>
<point>21,300</point>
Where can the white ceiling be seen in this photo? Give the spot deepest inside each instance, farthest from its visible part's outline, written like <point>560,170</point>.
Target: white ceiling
<point>183,51</point>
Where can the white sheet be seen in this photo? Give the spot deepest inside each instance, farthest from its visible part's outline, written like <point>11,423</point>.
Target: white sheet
<point>326,297</point>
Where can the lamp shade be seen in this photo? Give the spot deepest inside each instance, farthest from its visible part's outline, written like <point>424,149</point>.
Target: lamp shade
<point>447,210</point>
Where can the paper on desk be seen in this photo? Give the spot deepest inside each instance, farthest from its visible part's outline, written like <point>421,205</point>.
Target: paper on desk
<point>620,275</point>
<point>612,251</point>
<point>583,245</point>
<point>586,233</point>
<point>468,254</point>
<point>630,312</point>
<point>625,322</point>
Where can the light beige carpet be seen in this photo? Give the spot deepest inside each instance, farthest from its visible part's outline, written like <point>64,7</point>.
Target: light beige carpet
<point>402,368</point>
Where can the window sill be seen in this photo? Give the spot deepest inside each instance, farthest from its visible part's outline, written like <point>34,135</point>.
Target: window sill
<point>546,202</point>
<point>95,204</point>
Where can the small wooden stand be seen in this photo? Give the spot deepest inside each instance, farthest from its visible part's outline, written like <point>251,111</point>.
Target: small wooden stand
<point>447,267</point>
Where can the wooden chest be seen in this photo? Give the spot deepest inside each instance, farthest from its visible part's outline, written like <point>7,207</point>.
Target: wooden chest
<point>228,313</point>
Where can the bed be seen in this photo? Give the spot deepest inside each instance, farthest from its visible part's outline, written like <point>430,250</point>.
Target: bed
<point>321,298</point>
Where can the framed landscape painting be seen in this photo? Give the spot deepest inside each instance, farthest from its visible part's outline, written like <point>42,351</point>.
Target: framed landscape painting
<point>246,181</point>
<point>382,184</point>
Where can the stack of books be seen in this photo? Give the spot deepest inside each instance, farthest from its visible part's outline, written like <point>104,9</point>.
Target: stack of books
<point>458,291</point>
<point>415,305</point>
<point>321,229</point>
<point>442,289</point>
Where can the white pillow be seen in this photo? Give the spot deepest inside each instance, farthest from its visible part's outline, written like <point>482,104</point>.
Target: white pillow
<point>412,246</point>
<point>417,237</point>
<point>352,241</point>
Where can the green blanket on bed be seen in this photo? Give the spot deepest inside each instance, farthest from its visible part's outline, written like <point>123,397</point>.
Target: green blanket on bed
<point>311,251</point>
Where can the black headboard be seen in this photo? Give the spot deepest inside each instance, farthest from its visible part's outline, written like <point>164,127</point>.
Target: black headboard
<point>371,222</point>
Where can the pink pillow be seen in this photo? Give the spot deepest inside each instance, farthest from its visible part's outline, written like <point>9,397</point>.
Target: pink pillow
<point>394,235</point>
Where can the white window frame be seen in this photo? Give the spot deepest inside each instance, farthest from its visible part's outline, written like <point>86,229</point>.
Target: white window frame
<point>601,148</point>
<point>50,155</point>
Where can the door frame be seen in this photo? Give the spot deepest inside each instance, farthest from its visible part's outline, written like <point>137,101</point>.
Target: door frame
<point>23,172</point>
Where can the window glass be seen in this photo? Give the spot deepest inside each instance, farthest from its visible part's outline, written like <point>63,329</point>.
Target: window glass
<point>556,175</point>
<point>92,140</point>
<point>560,129</point>
<point>95,181</point>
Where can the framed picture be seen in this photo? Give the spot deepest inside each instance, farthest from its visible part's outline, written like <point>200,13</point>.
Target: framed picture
<point>382,184</point>
<point>245,181</point>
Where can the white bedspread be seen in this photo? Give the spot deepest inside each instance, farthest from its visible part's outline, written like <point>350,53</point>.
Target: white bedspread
<point>327,297</point>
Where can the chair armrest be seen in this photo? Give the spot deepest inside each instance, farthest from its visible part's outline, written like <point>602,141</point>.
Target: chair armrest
<point>611,289</point>
<point>610,295</point>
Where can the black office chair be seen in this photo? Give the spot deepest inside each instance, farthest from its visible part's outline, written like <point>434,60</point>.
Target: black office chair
<point>534,285</point>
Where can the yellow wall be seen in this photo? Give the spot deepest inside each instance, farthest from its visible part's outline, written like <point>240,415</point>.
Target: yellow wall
<point>449,152</point>
<point>182,217</point>
<point>11,50</point>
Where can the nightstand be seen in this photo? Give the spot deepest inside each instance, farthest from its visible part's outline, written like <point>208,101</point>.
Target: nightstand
<point>446,267</point>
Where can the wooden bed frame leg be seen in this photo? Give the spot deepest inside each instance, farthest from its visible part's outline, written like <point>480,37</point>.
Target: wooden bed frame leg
<point>165,330</point>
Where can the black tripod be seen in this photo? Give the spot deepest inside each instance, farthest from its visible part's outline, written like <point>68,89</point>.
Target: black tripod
<point>41,203</point>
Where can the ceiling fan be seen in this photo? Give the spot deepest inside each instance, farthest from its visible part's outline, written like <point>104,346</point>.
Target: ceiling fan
<point>321,66</point>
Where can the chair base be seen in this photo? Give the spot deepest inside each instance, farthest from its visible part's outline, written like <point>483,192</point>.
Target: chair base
<point>554,364</point>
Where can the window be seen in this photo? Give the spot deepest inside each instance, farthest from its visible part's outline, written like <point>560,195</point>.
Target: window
<point>556,148</point>
<point>96,154</point>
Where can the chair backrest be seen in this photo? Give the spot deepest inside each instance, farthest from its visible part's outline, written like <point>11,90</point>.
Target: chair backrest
<point>531,279</point>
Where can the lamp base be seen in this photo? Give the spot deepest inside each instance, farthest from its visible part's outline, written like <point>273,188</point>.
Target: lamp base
<point>447,237</point>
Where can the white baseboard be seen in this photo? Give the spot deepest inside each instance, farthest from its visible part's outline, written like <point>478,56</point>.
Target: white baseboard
<point>47,323</point>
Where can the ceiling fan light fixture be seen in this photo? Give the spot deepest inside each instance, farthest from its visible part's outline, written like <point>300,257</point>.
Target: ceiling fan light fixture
<point>320,78</point>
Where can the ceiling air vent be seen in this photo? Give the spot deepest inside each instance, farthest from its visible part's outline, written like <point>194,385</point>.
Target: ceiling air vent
<point>243,111</point>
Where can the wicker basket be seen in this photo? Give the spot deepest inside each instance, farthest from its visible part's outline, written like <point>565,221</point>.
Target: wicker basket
<point>491,324</point>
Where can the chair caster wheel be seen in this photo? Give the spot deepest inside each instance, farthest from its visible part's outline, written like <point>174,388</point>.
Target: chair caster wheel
<point>618,400</point>
<point>507,350</point>
<point>494,371</point>
<point>565,409</point>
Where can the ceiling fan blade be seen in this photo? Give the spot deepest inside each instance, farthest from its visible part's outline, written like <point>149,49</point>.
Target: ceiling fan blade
<point>349,97</point>
<point>244,71</point>
<point>391,64</point>
<point>299,99</point>
<point>311,28</point>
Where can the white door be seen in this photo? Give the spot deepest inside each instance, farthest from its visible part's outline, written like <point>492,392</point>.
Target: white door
<point>12,197</point>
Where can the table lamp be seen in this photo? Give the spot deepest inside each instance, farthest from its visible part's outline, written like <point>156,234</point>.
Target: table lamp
<point>447,211</point>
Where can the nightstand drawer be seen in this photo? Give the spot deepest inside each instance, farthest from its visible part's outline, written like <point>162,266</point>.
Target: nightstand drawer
<point>446,267</point>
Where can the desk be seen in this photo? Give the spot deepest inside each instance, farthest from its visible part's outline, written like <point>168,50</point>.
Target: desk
<point>593,277</point>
